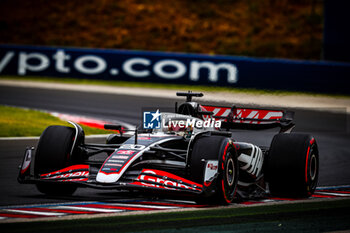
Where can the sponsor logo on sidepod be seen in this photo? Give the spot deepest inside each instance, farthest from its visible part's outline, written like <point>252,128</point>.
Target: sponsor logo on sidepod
<point>161,182</point>
<point>69,175</point>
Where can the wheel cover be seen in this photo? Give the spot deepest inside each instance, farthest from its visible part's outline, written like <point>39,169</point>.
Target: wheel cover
<point>313,167</point>
<point>230,172</point>
<point>312,170</point>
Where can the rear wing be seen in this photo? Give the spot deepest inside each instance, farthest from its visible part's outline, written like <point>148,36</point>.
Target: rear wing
<point>249,118</point>
<point>237,117</point>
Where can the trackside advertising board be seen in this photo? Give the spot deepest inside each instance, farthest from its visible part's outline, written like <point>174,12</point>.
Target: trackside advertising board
<point>161,67</point>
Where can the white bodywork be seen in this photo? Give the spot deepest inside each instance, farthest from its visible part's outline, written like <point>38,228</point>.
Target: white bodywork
<point>253,162</point>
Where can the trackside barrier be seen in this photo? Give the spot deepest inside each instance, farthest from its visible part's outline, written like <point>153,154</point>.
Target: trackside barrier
<point>162,67</point>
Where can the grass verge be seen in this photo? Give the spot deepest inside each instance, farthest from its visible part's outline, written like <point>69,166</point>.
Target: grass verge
<point>18,122</point>
<point>309,216</point>
<point>165,86</point>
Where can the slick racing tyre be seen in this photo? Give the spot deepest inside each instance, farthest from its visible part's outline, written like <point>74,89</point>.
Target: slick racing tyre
<point>222,189</point>
<point>292,165</point>
<point>52,154</point>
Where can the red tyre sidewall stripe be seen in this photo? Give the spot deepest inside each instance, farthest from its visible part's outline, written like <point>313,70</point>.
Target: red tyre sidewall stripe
<point>307,159</point>
<point>224,155</point>
<point>307,163</point>
<point>223,175</point>
<point>223,191</point>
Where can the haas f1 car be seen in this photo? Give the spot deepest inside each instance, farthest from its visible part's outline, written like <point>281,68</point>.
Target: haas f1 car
<point>184,155</point>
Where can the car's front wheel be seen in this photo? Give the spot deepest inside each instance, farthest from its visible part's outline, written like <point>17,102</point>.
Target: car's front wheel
<point>54,153</point>
<point>222,153</point>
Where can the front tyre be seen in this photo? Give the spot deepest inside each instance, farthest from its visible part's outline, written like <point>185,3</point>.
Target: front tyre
<point>292,165</point>
<point>229,176</point>
<point>222,189</point>
<point>54,153</point>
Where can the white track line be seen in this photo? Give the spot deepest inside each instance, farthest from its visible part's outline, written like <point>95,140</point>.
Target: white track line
<point>181,201</point>
<point>332,187</point>
<point>18,138</point>
<point>143,206</point>
<point>35,212</point>
<point>334,194</point>
<point>101,210</point>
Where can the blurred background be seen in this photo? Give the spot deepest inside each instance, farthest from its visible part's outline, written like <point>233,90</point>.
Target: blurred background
<point>311,34</point>
<point>260,28</point>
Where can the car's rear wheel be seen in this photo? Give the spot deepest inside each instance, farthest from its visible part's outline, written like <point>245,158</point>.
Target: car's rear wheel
<point>215,148</point>
<point>54,153</point>
<point>292,165</point>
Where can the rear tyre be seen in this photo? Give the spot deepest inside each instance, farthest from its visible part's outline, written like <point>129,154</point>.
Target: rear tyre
<point>292,165</point>
<point>52,154</point>
<point>222,190</point>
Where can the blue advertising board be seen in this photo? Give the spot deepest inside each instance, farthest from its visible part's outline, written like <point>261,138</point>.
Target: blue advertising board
<point>178,68</point>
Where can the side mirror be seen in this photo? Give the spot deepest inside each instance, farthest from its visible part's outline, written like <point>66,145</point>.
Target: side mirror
<point>112,127</point>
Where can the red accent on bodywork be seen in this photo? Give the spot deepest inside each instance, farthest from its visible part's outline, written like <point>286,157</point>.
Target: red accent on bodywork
<point>67,169</point>
<point>312,141</point>
<point>207,184</point>
<point>92,124</point>
<point>241,113</point>
<point>144,138</point>
<point>73,180</point>
<point>176,182</point>
<point>68,174</point>
<point>96,125</point>
<point>125,152</point>
<point>23,171</point>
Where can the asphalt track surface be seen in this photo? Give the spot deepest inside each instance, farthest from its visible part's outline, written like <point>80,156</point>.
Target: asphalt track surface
<point>331,130</point>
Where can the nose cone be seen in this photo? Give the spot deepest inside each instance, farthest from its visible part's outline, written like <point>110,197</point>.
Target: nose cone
<point>103,177</point>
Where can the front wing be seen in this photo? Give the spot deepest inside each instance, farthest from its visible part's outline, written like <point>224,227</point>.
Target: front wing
<point>83,175</point>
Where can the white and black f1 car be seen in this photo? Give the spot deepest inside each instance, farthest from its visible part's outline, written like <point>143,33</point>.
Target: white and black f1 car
<point>204,161</point>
